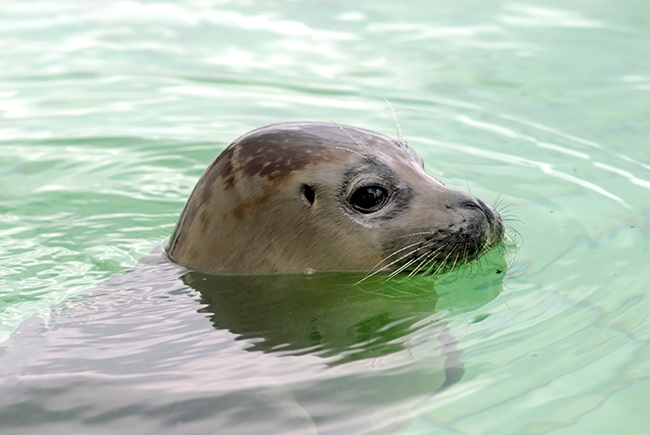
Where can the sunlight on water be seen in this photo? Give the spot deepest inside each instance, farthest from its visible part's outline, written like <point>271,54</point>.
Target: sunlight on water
<point>111,111</point>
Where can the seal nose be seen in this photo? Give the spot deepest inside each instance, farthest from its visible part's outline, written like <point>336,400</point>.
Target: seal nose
<point>472,203</point>
<point>488,211</point>
<point>495,225</point>
<point>459,200</point>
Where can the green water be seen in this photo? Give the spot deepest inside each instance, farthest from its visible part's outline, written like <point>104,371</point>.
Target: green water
<point>109,112</point>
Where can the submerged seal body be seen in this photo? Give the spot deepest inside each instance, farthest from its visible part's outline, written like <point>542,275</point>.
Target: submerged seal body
<point>301,196</point>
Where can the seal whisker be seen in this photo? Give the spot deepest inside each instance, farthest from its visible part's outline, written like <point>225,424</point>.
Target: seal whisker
<point>425,259</point>
<point>397,252</point>
<point>508,218</point>
<point>421,233</point>
<point>432,262</point>
<point>376,271</point>
<point>417,268</point>
<point>342,127</point>
<point>510,229</point>
<point>401,269</point>
<point>393,116</point>
<point>485,247</point>
<point>465,256</point>
<point>349,150</point>
<point>435,255</point>
<point>503,208</point>
<point>498,200</point>
<point>453,265</point>
<point>443,263</point>
<point>430,258</point>
<point>506,209</point>
<point>422,259</point>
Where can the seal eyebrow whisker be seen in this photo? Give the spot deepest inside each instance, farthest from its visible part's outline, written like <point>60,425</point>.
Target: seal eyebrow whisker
<point>355,141</point>
<point>349,150</point>
<point>393,116</point>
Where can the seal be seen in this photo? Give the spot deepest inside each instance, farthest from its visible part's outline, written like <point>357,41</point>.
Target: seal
<point>301,196</point>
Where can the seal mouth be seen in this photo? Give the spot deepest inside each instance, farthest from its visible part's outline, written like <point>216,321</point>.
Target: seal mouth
<point>432,251</point>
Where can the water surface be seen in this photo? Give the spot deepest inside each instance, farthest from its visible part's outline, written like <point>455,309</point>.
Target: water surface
<point>110,112</point>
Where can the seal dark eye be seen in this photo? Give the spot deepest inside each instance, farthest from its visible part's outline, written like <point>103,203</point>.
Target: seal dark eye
<point>368,199</point>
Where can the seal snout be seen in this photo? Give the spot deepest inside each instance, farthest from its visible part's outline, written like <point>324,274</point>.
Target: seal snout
<point>466,203</point>
<point>494,232</point>
<point>480,221</point>
<point>490,213</point>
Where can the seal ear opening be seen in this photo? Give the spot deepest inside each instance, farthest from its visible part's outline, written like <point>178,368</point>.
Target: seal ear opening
<point>308,194</point>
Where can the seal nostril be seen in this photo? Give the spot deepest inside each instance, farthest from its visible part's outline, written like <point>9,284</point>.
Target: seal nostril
<point>477,204</point>
<point>471,204</point>
<point>486,209</point>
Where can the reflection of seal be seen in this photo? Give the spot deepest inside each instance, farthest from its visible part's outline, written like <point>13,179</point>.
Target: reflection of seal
<point>304,195</point>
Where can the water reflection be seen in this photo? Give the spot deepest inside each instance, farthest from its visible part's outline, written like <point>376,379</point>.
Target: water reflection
<point>141,346</point>
<point>340,315</point>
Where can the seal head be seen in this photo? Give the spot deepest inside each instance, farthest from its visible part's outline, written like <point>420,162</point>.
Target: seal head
<point>301,196</point>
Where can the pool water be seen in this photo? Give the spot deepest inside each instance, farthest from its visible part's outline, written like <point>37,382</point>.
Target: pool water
<point>110,111</point>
